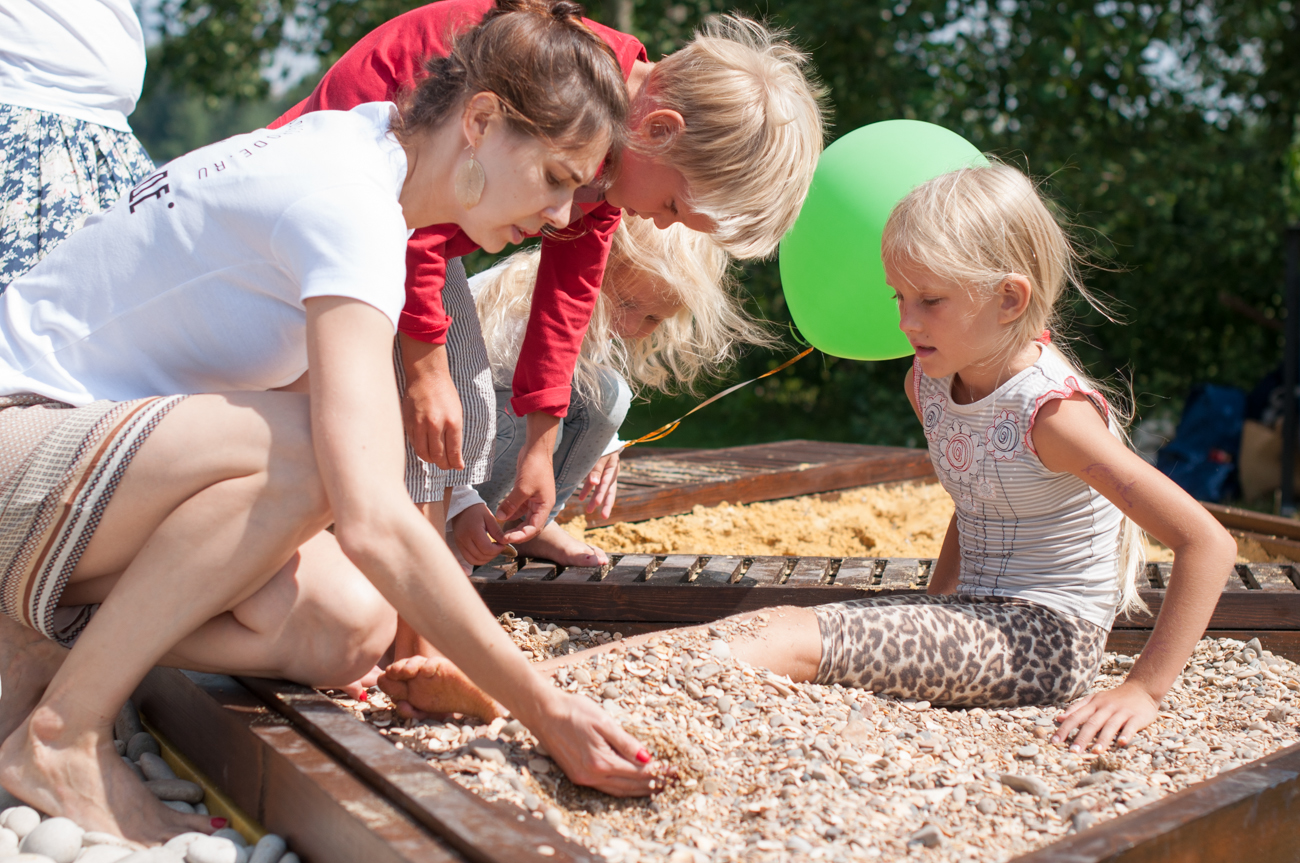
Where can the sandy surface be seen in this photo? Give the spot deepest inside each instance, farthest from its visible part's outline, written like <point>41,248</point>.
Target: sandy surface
<point>905,520</point>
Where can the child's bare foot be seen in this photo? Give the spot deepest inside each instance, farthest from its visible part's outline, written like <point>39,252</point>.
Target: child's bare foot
<point>557,544</point>
<point>28,661</point>
<point>422,685</point>
<point>81,776</point>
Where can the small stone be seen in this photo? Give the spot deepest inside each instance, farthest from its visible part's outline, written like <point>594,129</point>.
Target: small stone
<point>1082,820</point>
<point>582,676</point>
<point>1277,714</point>
<point>728,722</point>
<point>539,765</point>
<point>544,850</point>
<point>719,649</point>
<point>154,767</point>
<point>104,854</point>
<point>127,724</point>
<point>8,842</point>
<point>212,849</point>
<point>1079,804</point>
<point>141,743</point>
<point>1258,726</point>
<point>856,731</point>
<point>232,834</point>
<point>725,704</point>
<point>119,745</point>
<point>553,816</point>
<point>707,670</point>
<point>711,786</point>
<point>56,838</point>
<point>1093,778</point>
<point>532,802</point>
<point>179,842</point>
<point>609,692</point>
<point>175,789</point>
<point>513,728</point>
<point>715,632</point>
<point>179,806</point>
<point>290,858</point>
<point>929,836</point>
<point>987,806</point>
<point>488,750</point>
<point>1254,645</point>
<point>1026,784</point>
<point>798,845</point>
<point>694,690</point>
<point>575,631</point>
<point>20,819</point>
<point>1027,751</point>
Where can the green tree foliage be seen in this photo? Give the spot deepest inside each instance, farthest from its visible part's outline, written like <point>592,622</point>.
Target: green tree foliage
<point>1167,130</point>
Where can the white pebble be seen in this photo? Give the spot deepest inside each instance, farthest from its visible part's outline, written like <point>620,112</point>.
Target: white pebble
<point>212,849</point>
<point>719,649</point>
<point>95,837</point>
<point>269,849</point>
<point>182,841</point>
<point>232,834</point>
<point>20,819</point>
<point>8,842</point>
<point>56,838</point>
<point>104,854</point>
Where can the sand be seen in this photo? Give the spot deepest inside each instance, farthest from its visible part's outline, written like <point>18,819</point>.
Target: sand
<point>901,520</point>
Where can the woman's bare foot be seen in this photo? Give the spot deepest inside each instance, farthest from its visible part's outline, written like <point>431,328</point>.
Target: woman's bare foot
<point>81,776</point>
<point>422,685</point>
<point>28,661</point>
<point>557,544</point>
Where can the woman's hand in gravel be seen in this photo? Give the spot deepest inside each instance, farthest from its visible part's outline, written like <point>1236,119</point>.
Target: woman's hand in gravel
<point>1105,717</point>
<point>592,749</point>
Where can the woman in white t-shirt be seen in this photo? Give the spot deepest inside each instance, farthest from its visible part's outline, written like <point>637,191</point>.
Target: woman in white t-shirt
<point>159,504</point>
<point>70,74</point>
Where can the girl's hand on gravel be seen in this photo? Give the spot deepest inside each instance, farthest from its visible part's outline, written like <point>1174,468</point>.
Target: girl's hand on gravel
<point>1105,717</point>
<point>602,485</point>
<point>592,749</point>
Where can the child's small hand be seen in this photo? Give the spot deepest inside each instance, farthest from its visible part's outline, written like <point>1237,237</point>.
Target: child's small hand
<point>479,537</point>
<point>1115,715</point>
<point>602,485</point>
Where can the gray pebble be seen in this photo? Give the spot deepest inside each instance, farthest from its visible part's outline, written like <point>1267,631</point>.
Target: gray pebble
<point>8,842</point>
<point>488,750</point>
<point>1028,751</point>
<point>1277,714</point>
<point>987,806</point>
<point>1093,779</point>
<point>513,728</point>
<point>201,809</point>
<point>127,724</point>
<point>582,676</point>
<point>179,806</point>
<point>798,845</point>
<point>232,834</point>
<point>610,691</point>
<point>20,819</point>
<point>56,838</point>
<point>140,744</point>
<point>1082,820</point>
<point>929,836</point>
<point>154,767</point>
<point>1026,784</point>
<point>553,816</point>
<point>104,854</point>
<point>175,789</point>
<point>212,849</point>
<point>120,746</point>
<point>135,768</point>
<point>694,690</point>
<point>269,849</point>
<point>715,632</point>
<point>290,858</point>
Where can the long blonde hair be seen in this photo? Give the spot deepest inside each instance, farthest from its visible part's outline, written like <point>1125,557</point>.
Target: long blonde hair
<point>703,337</point>
<point>976,227</point>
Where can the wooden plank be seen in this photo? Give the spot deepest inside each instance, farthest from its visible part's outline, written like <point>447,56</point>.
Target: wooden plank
<point>1250,813</point>
<point>858,572</point>
<point>674,569</point>
<point>1235,518</point>
<point>279,776</point>
<point>481,831</point>
<point>628,569</point>
<point>718,570</point>
<point>534,570</point>
<point>1273,576</point>
<point>900,573</point>
<point>655,485</point>
<point>765,572</point>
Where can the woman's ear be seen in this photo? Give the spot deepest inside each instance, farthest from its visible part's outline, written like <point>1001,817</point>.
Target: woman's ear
<point>481,110</point>
<point>1014,295</point>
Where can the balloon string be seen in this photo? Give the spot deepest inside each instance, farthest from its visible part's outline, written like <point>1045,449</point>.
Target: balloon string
<point>664,430</point>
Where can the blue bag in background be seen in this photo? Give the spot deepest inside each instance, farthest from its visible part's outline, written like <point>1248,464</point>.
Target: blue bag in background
<point>1202,456</point>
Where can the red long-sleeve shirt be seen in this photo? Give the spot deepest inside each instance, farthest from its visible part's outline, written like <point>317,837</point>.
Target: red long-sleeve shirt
<point>390,60</point>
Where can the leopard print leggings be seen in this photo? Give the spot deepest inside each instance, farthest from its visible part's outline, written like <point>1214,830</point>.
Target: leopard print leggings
<point>959,651</point>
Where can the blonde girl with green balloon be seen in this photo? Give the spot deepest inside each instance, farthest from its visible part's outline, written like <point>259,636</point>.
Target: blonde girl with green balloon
<point>1045,544</point>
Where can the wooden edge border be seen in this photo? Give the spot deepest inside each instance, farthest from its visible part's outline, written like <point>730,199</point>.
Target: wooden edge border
<point>483,832</point>
<point>278,776</point>
<point>1249,813</point>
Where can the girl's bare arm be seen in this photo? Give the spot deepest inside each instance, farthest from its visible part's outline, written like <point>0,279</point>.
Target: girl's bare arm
<point>1071,436</point>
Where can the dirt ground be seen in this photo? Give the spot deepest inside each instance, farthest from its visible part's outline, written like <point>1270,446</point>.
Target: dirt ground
<point>902,520</point>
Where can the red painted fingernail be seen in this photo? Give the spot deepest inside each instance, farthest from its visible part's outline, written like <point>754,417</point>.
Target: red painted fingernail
<point>218,823</point>
<point>643,756</point>
<point>364,696</point>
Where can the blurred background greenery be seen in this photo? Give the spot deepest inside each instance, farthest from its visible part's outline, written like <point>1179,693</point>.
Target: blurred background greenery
<point>1169,131</point>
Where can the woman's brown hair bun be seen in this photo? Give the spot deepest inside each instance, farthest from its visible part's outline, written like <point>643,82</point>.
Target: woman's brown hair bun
<point>556,78</point>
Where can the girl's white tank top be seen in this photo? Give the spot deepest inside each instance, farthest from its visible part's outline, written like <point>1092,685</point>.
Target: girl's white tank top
<point>1025,531</point>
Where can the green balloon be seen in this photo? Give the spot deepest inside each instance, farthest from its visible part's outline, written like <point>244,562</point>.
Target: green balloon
<point>831,272</point>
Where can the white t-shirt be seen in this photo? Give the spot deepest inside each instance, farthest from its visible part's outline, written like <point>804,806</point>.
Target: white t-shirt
<point>194,282</point>
<point>83,58</point>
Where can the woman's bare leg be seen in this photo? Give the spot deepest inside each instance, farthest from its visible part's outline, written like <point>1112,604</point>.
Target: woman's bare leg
<point>214,505</point>
<point>789,643</point>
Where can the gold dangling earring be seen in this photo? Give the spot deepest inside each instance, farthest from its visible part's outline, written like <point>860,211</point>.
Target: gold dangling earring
<point>469,182</point>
